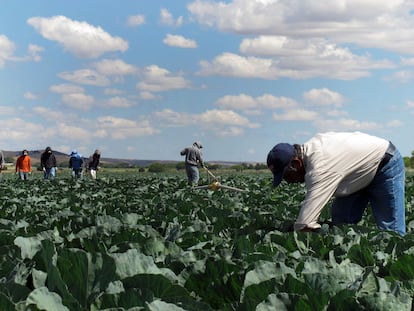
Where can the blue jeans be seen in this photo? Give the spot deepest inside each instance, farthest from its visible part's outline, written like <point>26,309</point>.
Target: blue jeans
<point>386,195</point>
<point>49,173</point>
<point>192,174</point>
<point>77,173</point>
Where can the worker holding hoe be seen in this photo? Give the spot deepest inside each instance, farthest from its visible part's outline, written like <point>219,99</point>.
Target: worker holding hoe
<point>356,168</point>
<point>193,158</point>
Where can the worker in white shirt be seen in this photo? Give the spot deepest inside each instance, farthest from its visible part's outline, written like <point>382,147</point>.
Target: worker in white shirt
<point>356,168</point>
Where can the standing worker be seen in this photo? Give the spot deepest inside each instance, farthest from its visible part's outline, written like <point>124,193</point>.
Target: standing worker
<point>76,164</point>
<point>94,163</point>
<point>48,164</point>
<point>355,168</point>
<point>23,165</point>
<point>193,158</point>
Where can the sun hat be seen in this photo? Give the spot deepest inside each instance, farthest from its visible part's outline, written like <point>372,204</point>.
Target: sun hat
<point>280,156</point>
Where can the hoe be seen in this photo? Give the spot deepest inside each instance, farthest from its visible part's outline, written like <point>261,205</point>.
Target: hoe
<point>215,185</point>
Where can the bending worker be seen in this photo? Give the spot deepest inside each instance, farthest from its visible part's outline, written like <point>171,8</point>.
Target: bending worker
<point>355,168</point>
<point>193,158</point>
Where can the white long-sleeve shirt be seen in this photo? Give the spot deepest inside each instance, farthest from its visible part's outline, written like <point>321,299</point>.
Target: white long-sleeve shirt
<point>337,164</point>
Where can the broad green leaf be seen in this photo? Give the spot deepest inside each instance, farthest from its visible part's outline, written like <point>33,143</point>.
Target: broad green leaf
<point>43,299</point>
<point>28,246</point>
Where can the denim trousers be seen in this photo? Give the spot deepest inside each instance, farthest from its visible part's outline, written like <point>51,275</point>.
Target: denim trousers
<point>385,194</point>
<point>192,174</point>
<point>49,173</point>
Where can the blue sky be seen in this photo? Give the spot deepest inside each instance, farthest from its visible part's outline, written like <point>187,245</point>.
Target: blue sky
<point>144,79</point>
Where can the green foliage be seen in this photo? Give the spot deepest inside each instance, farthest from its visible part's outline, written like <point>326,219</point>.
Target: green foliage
<point>157,168</point>
<point>151,242</point>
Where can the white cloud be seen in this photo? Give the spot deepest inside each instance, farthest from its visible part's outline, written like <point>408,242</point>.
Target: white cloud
<point>402,76</point>
<point>72,133</point>
<point>120,128</point>
<point>148,95</point>
<point>395,123</point>
<point>225,117</point>
<point>410,104</point>
<point>370,23</point>
<point>16,132</point>
<point>78,101</point>
<point>34,52</point>
<point>54,116</point>
<point>66,88</point>
<point>219,122</point>
<point>167,18</point>
<point>345,125</point>
<point>118,102</point>
<point>296,115</point>
<point>7,110</point>
<point>85,76</point>
<point>7,52</point>
<point>136,20</point>
<point>301,60</point>
<point>323,97</point>
<point>7,48</point>
<point>179,41</point>
<point>30,96</point>
<point>114,67</point>
<point>79,38</point>
<point>157,79</point>
<point>233,65</point>
<point>248,103</point>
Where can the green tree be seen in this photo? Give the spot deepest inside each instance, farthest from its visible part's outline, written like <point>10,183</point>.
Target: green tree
<point>180,166</point>
<point>157,168</point>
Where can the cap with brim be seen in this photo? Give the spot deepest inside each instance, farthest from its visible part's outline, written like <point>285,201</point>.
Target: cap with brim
<point>280,157</point>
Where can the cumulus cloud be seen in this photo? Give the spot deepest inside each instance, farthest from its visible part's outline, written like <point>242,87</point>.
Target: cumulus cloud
<point>85,76</point>
<point>79,38</point>
<point>17,129</point>
<point>248,103</point>
<point>79,101</point>
<point>167,18</point>
<point>296,115</point>
<point>121,128</point>
<point>345,125</point>
<point>114,67</point>
<point>7,48</point>
<point>233,65</point>
<point>323,97</point>
<point>136,20</point>
<point>306,39</point>
<point>157,79</point>
<point>371,24</point>
<point>295,65</point>
<point>219,122</point>
<point>118,102</point>
<point>66,88</point>
<point>30,96</point>
<point>179,41</point>
<point>7,52</point>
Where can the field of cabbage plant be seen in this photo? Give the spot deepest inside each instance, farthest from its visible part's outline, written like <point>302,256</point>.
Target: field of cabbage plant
<point>149,242</point>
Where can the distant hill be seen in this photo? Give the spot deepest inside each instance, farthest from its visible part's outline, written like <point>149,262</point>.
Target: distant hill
<point>63,159</point>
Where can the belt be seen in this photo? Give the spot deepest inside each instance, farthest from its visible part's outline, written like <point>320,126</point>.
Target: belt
<point>387,156</point>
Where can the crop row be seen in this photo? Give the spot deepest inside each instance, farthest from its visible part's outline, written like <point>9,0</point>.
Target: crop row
<point>153,243</point>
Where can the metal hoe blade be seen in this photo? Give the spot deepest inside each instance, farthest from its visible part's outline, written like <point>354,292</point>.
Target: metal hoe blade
<point>217,185</point>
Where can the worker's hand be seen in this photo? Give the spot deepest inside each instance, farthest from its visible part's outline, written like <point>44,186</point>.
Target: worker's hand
<point>307,229</point>
<point>287,226</point>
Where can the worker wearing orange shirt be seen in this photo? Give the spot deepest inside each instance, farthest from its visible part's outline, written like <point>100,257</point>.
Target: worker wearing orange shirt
<point>23,165</point>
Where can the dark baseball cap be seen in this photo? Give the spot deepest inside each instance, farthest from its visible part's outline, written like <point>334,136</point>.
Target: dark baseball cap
<point>280,157</point>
